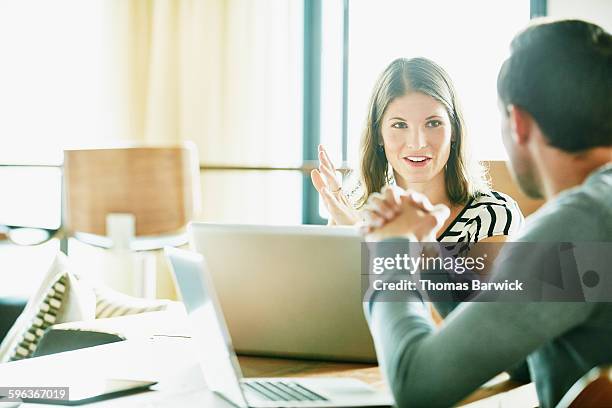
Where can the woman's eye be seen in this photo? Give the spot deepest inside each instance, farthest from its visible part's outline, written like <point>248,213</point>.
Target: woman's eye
<point>399,125</point>
<point>433,123</point>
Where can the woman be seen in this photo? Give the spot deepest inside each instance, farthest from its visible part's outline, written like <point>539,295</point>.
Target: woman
<point>415,138</point>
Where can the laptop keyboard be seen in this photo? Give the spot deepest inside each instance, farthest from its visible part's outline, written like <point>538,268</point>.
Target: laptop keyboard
<point>281,391</point>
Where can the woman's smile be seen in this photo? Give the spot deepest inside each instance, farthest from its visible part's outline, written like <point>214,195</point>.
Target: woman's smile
<point>417,160</point>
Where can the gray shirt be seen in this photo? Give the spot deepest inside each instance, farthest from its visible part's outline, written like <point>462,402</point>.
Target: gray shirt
<point>562,341</point>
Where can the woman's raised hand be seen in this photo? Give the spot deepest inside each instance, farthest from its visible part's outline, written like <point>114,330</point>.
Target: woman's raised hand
<point>329,187</point>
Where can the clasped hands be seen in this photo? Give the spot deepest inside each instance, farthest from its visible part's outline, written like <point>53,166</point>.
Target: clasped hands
<point>395,213</point>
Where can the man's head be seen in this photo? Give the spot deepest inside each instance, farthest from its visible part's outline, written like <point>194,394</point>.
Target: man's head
<point>555,89</point>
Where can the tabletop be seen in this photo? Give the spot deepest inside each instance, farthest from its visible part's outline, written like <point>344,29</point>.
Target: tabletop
<point>170,361</point>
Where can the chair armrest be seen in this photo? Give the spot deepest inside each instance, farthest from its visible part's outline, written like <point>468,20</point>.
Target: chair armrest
<point>594,389</point>
<point>142,325</point>
<point>77,335</point>
<point>10,309</point>
<point>58,340</point>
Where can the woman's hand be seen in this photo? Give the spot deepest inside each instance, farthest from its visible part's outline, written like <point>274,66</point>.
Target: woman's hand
<point>403,214</point>
<point>330,188</point>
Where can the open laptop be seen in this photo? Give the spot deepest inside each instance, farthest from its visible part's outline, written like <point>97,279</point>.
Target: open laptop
<point>219,363</point>
<point>300,284</point>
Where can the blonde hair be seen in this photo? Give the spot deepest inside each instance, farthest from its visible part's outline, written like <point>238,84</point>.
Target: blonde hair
<point>464,177</point>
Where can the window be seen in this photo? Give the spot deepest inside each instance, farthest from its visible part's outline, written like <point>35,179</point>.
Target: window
<point>260,142</point>
<point>60,75</point>
<point>31,196</point>
<point>470,39</point>
<point>52,78</point>
<point>54,95</point>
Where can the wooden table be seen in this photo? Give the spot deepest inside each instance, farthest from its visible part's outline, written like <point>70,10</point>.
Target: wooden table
<point>493,393</point>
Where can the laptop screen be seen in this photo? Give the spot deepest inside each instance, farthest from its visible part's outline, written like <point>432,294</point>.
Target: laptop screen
<point>211,337</point>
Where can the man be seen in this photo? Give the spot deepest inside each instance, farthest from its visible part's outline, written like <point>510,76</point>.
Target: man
<point>555,94</point>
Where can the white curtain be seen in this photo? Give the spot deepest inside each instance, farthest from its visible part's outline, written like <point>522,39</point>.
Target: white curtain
<point>225,74</point>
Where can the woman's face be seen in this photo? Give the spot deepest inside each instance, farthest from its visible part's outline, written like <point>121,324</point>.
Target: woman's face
<point>416,133</point>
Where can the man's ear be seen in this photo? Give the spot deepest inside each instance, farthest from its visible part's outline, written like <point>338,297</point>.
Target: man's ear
<point>520,123</point>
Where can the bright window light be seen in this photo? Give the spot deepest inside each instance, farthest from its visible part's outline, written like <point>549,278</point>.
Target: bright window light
<point>470,39</point>
<point>52,78</point>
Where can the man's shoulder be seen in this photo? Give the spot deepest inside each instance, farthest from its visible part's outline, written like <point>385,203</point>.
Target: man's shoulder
<point>583,213</point>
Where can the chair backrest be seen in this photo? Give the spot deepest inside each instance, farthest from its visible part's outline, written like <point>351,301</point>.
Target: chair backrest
<point>159,186</point>
<point>502,181</point>
<point>594,389</point>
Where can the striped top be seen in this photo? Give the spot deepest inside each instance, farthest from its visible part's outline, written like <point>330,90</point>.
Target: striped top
<point>489,214</point>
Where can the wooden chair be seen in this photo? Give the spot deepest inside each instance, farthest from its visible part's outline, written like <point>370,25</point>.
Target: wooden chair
<point>131,199</point>
<point>594,389</point>
<point>157,185</point>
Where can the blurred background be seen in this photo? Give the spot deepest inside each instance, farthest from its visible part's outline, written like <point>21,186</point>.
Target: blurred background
<point>255,85</point>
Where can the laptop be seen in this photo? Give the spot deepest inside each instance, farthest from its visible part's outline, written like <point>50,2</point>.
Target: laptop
<point>300,284</point>
<point>219,364</point>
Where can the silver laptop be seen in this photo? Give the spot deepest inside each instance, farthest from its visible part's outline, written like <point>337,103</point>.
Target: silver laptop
<point>219,363</point>
<point>289,291</point>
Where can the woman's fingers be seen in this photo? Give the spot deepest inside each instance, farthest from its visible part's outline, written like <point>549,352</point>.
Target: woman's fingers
<point>329,200</point>
<point>418,200</point>
<point>330,178</point>
<point>378,204</point>
<point>390,194</point>
<point>327,170</point>
<point>373,220</point>
<point>340,211</point>
<point>381,208</point>
<point>324,157</point>
<point>344,199</point>
<point>317,180</point>
<point>332,205</point>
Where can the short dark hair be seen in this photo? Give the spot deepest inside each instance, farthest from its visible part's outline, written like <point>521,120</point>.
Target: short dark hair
<point>561,73</point>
